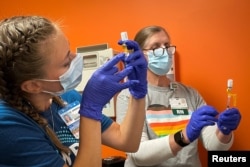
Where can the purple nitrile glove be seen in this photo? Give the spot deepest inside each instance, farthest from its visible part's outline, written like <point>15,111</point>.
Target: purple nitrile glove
<point>203,116</point>
<point>137,60</point>
<point>229,120</point>
<point>102,86</point>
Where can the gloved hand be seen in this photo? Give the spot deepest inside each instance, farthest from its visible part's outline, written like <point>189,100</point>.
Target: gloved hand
<point>102,86</point>
<point>137,60</point>
<point>203,116</point>
<point>229,120</point>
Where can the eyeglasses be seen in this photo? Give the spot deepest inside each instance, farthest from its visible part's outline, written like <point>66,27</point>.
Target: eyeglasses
<point>160,51</point>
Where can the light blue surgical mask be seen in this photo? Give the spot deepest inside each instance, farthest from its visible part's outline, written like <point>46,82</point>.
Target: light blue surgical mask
<point>71,78</point>
<point>159,63</point>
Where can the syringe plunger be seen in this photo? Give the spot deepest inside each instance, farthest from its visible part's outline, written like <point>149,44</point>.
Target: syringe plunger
<point>124,36</point>
<point>230,83</point>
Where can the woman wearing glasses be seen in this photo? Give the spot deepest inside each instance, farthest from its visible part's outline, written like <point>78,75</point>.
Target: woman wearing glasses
<point>176,114</point>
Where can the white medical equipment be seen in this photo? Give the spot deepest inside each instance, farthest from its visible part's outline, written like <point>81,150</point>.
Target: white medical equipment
<point>95,56</point>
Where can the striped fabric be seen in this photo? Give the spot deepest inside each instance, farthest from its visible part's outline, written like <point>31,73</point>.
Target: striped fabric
<point>164,122</point>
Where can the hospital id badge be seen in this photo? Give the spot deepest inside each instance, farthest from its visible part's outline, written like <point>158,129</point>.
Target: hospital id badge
<point>71,117</point>
<point>179,106</point>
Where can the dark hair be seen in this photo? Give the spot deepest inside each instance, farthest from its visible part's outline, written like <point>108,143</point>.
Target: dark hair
<point>146,32</point>
<point>22,39</point>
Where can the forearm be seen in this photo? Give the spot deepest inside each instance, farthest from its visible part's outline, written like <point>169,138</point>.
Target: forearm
<point>153,152</point>
<point>89,153</point>
<point>213,140</point>
<point>224,138</point>
<point>131,126</point>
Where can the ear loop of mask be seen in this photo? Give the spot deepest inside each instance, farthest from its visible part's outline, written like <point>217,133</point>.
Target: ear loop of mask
<point>71,80</point>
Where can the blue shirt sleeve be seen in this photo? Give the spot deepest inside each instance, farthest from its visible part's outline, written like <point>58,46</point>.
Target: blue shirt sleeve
<point>106,122</point>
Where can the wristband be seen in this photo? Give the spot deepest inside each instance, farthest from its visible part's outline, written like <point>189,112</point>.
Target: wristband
<point>178,138</point>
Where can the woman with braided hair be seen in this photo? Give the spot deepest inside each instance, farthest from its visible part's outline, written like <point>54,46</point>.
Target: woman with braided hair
<point>38,74</point>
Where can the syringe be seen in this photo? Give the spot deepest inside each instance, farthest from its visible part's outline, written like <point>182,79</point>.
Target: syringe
<point>230,94</point>
<point>124,37</point>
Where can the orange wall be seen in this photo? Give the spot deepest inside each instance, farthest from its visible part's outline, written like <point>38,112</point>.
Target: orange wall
<point>212,39</point>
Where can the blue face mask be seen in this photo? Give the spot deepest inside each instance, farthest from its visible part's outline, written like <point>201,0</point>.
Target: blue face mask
<point>71,78</point>
<point>159,63</point>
